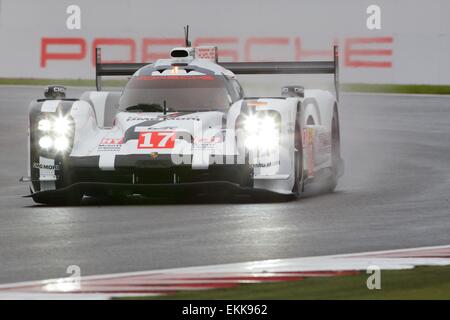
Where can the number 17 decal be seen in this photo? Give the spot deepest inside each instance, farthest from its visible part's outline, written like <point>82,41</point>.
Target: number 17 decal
<point>156,140</point>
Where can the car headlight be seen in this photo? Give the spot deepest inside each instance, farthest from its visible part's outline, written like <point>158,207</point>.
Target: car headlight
<point>61,143</point>
<point>56,133</point>
<point>45,142</point>
<point>261,132</point>
<point>251,124</point>
<point>45,125</point>
<point>61,125</point>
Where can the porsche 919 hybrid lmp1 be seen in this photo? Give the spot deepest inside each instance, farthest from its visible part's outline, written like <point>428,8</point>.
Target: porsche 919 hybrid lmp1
<point>183,126</point>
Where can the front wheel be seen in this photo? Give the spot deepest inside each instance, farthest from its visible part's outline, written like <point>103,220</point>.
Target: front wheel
<point>298,160</point>
<point>335,152</point>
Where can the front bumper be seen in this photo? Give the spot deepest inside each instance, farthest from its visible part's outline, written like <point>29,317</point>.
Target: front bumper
<point>224,188</point>
<point>139,170</point>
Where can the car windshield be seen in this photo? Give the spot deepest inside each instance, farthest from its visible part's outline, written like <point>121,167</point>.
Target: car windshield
<point>175,93</point>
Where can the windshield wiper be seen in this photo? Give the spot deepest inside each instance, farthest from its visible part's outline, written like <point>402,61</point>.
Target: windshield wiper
<point>146,107</point>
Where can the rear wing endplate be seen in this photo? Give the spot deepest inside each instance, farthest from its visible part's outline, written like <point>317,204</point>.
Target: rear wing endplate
<point>291,67</point>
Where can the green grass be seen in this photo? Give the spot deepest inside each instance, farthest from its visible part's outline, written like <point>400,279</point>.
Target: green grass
<point>418,283</point>
<point>346,87</point>
<point>396,88</point>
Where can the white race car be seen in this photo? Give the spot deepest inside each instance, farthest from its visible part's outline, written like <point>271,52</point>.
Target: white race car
<point>183,126</point>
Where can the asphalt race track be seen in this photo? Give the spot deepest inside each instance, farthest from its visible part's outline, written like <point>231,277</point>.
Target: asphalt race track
<point>394,194</point>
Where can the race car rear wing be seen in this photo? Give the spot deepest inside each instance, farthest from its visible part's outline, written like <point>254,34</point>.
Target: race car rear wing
<point>291,67</point>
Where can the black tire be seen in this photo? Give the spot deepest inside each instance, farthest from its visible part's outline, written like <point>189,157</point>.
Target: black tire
<point>298,160</point>
<point>335,151</point>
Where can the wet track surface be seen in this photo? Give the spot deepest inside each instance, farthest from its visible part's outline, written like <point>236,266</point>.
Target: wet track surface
<point>394,194</point>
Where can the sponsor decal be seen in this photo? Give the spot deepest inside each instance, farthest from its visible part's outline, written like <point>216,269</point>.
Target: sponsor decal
<point>133,118</point>
<point>148,129</point>
<point>110,144</point>
<point>156,140</point>
<point>45,166</point>
<point>161,118</point>
<point>111,141</point>
<point>324,141</point>
<point>206,52</point>
<point>308,136</point>
<point>266,165</point>
<point>109,147</point>
<point>186,118</point>
<point>206,142</point>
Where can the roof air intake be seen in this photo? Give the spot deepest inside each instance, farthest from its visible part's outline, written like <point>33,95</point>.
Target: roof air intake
<point>182,53</point>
